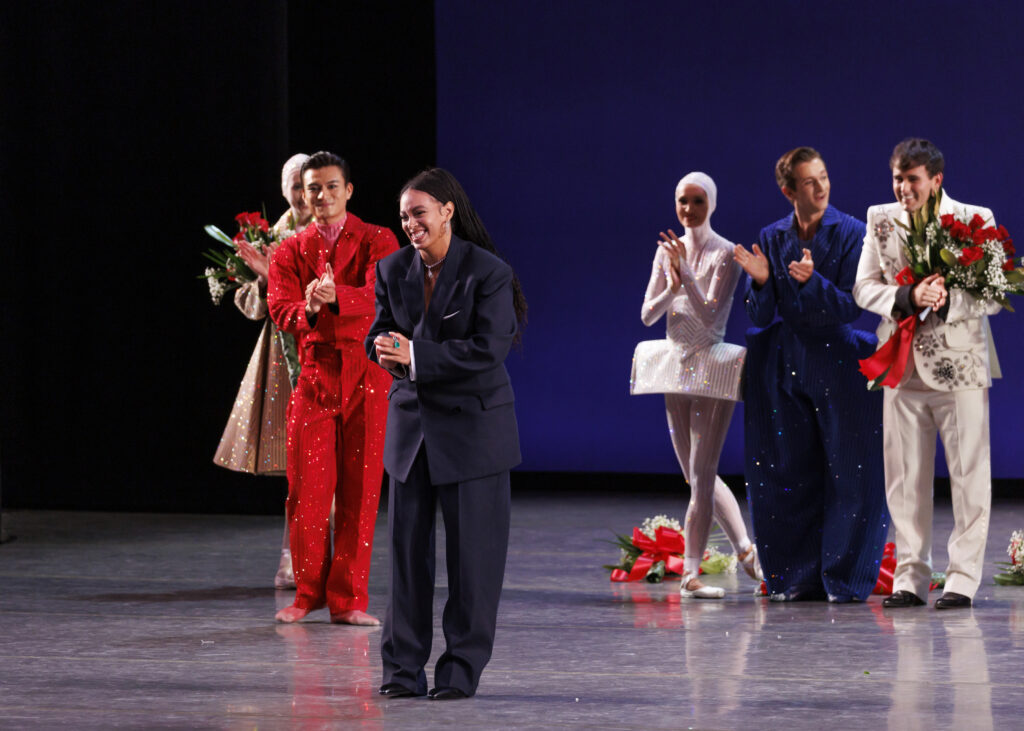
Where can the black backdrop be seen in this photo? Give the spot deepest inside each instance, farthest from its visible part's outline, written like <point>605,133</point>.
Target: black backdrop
<point>126,127</point>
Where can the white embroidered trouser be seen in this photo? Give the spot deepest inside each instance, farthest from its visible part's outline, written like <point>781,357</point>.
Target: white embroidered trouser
<point>698,427</point>
<point>912,415</point>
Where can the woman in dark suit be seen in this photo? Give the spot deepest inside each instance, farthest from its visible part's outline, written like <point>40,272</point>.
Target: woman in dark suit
<point>448,310</point>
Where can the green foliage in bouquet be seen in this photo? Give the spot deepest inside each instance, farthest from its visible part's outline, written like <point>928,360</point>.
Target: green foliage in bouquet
<point>924,258</point>
<point>229,265</point>
<point>972,255</point>
<point>229,270</point>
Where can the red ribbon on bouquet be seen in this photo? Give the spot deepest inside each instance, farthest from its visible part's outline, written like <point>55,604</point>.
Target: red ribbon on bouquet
<point>891,359</point>
<point>667,546</point>
<point>886,570</point>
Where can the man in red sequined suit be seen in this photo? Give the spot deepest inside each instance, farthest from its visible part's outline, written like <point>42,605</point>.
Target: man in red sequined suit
<point>321,290</point>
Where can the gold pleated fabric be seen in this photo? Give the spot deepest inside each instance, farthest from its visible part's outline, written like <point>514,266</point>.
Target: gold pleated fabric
<point>254,439</point>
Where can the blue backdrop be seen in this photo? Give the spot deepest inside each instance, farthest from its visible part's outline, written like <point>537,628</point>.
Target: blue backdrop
<point>569,124</point>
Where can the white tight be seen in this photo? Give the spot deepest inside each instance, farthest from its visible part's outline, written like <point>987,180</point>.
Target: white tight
<point>698,427</point>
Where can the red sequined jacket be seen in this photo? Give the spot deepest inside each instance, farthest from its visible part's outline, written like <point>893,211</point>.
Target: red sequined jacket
<point>353,258</point>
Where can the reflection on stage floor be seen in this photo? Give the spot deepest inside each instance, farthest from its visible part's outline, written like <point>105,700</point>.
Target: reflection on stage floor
<point>161,621</point>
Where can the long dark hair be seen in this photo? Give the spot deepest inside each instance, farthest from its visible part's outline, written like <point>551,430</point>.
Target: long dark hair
<point>466,224</point>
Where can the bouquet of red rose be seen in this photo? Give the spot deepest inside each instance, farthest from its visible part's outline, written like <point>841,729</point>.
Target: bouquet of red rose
<point>656,548</point>
<point>969,255</point>
<point>229,270</point>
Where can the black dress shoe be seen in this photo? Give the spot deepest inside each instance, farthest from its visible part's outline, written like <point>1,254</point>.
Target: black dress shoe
<point>902,598</point>
<point>952,600</point>
<point>396,690</point>
<point>446,694</point>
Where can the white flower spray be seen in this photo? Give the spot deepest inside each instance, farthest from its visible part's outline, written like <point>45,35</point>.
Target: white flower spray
<point>217,288</point>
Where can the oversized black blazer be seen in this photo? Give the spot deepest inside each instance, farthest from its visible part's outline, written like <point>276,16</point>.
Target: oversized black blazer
<point>461,405</point>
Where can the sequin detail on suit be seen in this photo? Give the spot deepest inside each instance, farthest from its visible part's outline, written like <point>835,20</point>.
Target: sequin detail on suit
<point>813,433</point>
<point>699,375</point>
<point>254,437</point>
<point>337,413</point>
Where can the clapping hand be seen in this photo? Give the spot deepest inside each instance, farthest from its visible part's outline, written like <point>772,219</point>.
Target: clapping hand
<point>802,270</point>
<point>754,263</point>
<point>320,292</point>
<point>677,252</point>
<point>254,259</point>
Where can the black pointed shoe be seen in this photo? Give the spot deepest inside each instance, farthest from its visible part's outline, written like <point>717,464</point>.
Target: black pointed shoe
<point>901,599</point>
<point>952,600</point>
<point>396,690</point>
<point>446,694</point>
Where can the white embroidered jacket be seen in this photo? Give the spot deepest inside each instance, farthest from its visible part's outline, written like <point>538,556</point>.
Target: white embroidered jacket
<point>950,355</point>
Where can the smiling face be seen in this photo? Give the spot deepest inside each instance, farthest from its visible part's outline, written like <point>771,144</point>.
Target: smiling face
<point>327,193</point>
<point>812,187</point>
<point>914,186</point>
<point>292,190</point>
<point>424,220</point>
<point>692,206</point>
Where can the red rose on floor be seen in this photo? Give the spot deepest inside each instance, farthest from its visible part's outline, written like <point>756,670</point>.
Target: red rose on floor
<point>970,255</point>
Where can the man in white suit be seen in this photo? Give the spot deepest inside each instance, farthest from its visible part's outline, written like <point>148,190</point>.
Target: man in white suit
<point>944,388</point>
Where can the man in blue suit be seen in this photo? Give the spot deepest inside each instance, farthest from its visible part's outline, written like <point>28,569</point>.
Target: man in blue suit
<point>446,317</point>
<point>812,430</point>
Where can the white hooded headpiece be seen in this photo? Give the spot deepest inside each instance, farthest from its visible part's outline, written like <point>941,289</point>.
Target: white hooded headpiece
<point>704,181</point>
<point>291,166</point>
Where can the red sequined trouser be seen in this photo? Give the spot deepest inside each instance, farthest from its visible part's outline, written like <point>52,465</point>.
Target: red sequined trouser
<point>336,423</point>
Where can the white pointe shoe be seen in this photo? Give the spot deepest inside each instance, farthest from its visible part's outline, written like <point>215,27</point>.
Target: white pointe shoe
<point>691,587</point>
<point>750,563</point>
<point>285,578</point>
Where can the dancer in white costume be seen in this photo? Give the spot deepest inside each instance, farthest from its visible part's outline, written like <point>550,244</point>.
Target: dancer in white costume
<point>693,280</point>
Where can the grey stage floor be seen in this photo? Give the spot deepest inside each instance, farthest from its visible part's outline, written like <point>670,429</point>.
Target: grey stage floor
<point>157,621</point>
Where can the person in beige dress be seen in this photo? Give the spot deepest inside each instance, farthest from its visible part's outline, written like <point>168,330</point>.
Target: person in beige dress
<point>254,439</point>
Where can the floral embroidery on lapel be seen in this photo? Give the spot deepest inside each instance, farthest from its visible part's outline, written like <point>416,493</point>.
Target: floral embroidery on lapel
<point>883,227</point>
<point>946,372</point>
<point>960,371</point>
<point>928,345</point>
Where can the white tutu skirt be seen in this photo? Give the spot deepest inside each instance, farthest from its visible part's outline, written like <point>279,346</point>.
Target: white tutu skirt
<point>663,366</point>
